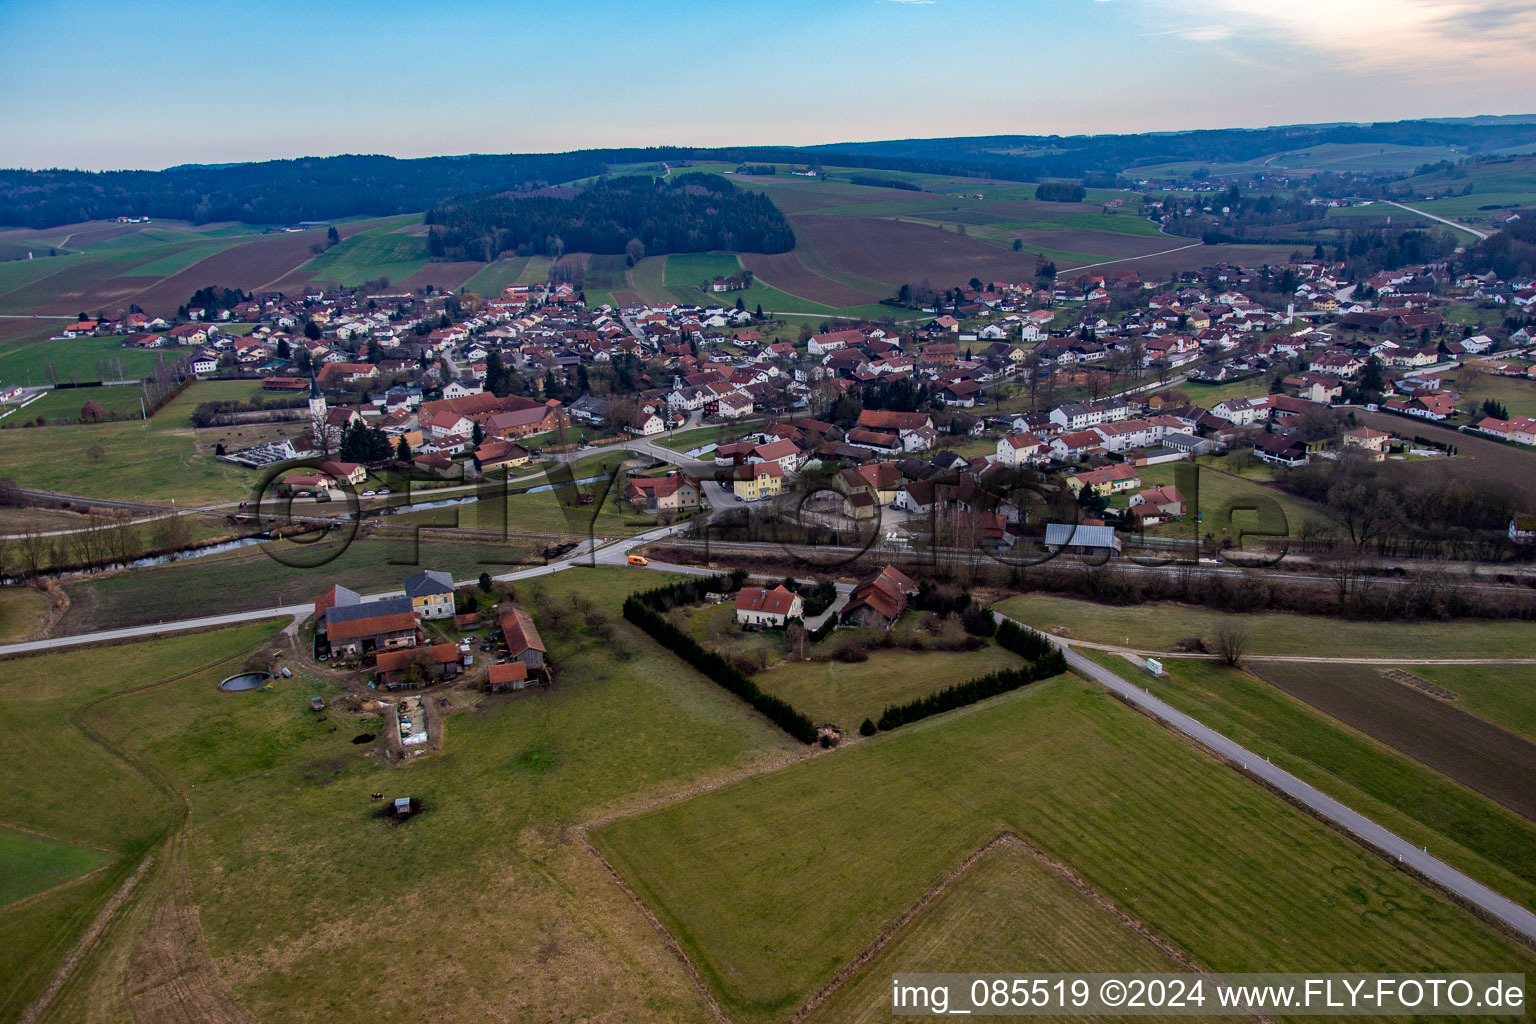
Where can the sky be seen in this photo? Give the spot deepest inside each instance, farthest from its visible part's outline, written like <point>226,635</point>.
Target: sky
<point>102,84</point>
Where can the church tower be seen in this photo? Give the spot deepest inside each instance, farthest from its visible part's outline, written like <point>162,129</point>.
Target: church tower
<point>317,413</point>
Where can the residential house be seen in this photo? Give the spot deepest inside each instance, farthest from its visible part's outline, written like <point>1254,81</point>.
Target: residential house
<point>675,492</point>
<point>1372,443</point>
<point>757,481</point>
<point>757,608</point>
<point>1021,449</point>
<point>431,594</point>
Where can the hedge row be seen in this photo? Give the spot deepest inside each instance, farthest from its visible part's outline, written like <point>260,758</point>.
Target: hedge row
<point>1023,641</point>
<point>1044,661</point>
<point>781,713</point>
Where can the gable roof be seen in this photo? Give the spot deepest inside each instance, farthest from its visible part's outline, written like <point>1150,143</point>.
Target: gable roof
<point>428,582</point>
<point>777,601</point>
<point>522,635</point>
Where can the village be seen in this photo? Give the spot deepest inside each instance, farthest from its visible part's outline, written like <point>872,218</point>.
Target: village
<point>1093,378</point>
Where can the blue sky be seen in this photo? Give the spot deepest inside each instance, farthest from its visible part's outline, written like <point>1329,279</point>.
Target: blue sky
<point>95,84</point>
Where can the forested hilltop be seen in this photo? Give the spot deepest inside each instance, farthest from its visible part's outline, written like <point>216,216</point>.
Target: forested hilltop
<point>679,213</point>
<point>326,188</point>
<point>275,191</point>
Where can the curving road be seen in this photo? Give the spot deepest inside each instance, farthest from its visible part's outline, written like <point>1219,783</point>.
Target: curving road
<point>1321,804</point>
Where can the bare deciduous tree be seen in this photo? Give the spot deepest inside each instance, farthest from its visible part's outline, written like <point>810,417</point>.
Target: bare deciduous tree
<point>1231,641</point>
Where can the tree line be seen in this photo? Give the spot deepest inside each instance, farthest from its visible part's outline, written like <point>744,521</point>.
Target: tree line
<point>684,213</point>
<point>1046,662</point>
<point>645,611</point>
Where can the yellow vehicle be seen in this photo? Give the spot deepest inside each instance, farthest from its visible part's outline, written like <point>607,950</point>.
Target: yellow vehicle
<point>637,560</point>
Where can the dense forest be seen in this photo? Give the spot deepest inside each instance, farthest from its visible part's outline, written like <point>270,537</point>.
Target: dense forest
<point>1510,253</point>
<point>681,213</point>
<point>1030,157</point>
<point>323,188</point>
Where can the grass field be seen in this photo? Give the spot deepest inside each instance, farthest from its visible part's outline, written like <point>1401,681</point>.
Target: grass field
<point>1517,396</point>
<point>1208,395</point>
<point>1222,491</point>
<point>773,884</point>
<point>249,578</point>
<point>28,362</point>
<point>604,276</point>
<point>688,440</point>
<point>65,405</point>
<point>1158,627</point>
<point>30,863</point>
<point>371,254</point>
<point>297,886</point>
<point>21,612</point>
<point>64,783</point>
<point>497,276</point>
<point>1009,913</point>
<point>156,460</point>
<point>1468,830</point>
<point>831,691</point>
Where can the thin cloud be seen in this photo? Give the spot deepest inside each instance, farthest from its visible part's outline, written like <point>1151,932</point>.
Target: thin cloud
<point>1462,37</point>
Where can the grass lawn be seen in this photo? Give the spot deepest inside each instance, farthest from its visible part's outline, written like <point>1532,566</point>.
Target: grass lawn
<point>1009,913</point>
<point>63,405</point>
<point>774,884</point>
<point>1518,396</point>
<point>1225,500</point>
<point>688,440</point>
<point>297,886</point>
<point>1502,694</point>
<point>1157,627</point>
<point>30,863</point>
<point>82,357</point>
<point>141,463</point>
<point>831,691</point>
<point>22,610</point>
<point>1207,395</point>
<point>1467,830</point>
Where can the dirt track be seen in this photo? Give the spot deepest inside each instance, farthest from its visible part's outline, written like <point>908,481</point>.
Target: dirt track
<point>171,978</point>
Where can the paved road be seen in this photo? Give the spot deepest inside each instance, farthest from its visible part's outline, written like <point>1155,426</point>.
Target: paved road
<point>1442,220</point>
<point>1326,807</point>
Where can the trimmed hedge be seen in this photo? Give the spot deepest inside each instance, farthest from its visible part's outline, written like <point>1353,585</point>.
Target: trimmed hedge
<point>1023,641</point>
<point>1044,661</point>
<point>645,611</point>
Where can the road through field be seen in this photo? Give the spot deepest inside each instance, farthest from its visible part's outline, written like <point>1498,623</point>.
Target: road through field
<point>1461,227</point>
<point>1326,807</point>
